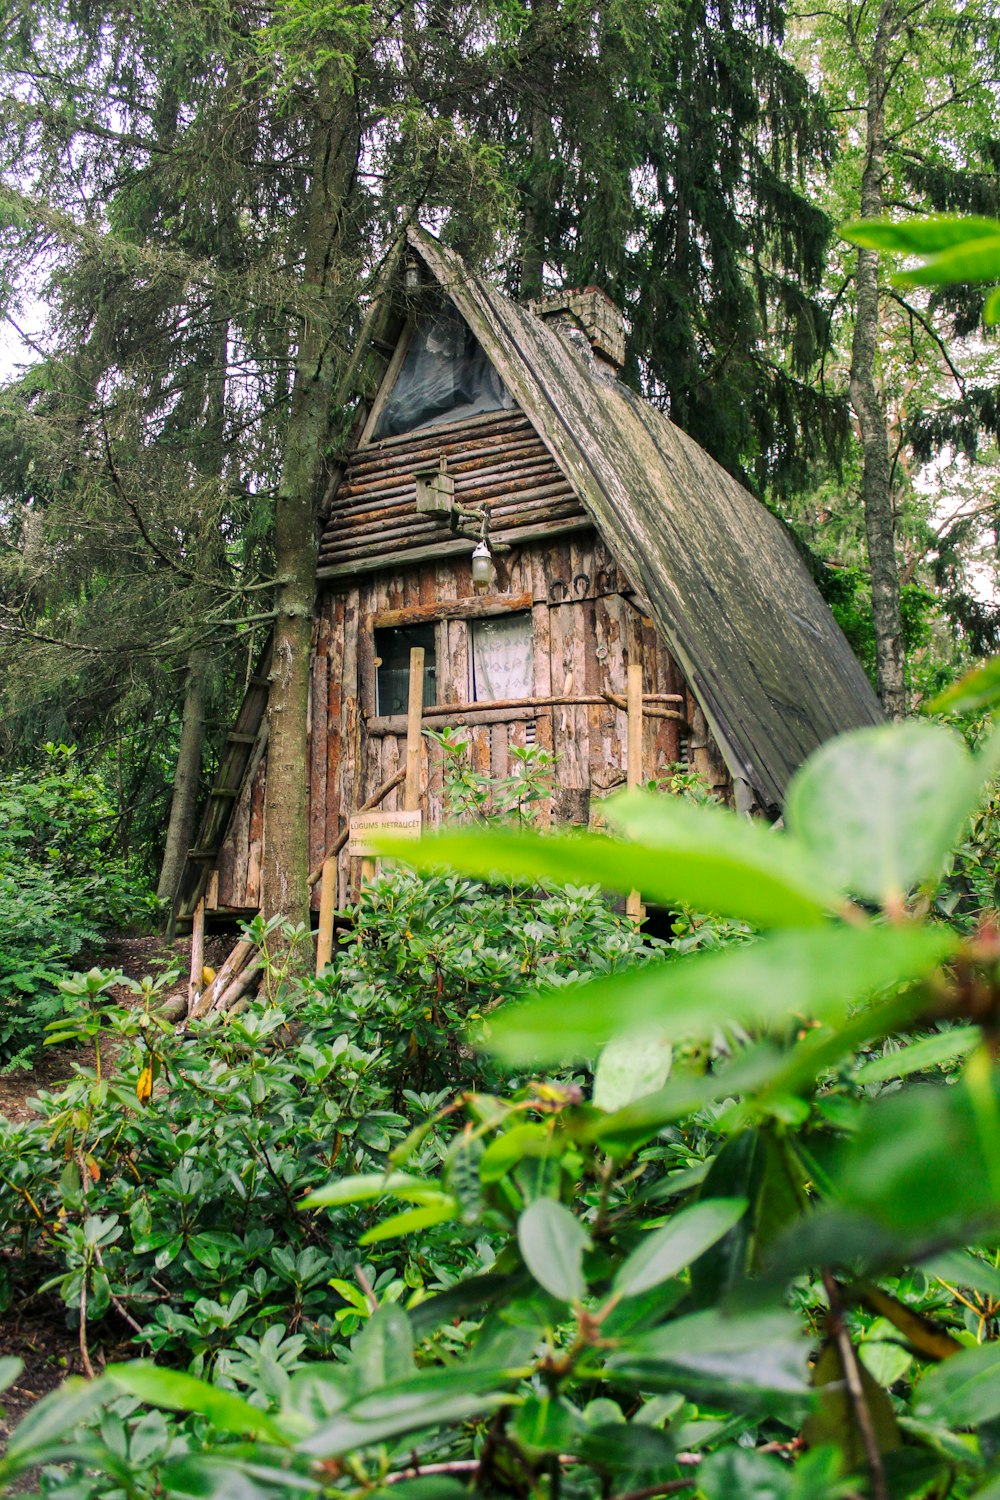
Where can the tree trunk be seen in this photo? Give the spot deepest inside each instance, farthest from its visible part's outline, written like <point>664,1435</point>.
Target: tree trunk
<point>187,775</point>
<point>876,477</point>
<point>285,864</point>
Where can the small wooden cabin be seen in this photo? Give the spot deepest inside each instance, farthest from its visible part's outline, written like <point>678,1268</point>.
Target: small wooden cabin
<point>618,540</point>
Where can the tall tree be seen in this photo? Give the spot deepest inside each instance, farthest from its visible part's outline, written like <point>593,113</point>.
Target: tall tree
<point>913,87</point>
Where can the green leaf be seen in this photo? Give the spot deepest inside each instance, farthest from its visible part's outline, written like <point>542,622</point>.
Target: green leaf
<point>10,1369</point>
<point>368,1186</point>
<point>752,1361</point>
<point>976,260</point>
<point>921,1161</point>
<point>383,1353</point>
<point>549,1426</point>
<point>815,973</point>
<point>552,1243</point>
<point>977,690</point>
<point>49,1425</point>
<point>630,1067</point>
<point>667,1251</point>
<point>178,1392</point>
<point>926,234</point>
<point>411,1220</point>
<point>433,1399</point>
<point>706,857</point>
<point>929,1052</point>
<point>991,308</point>
<point>964,1390</point>
<point>882,808</point>
<point>512,1146</point>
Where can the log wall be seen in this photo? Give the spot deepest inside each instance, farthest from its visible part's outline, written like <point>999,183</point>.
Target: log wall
<point>382,565</point>
<point>585,630</point>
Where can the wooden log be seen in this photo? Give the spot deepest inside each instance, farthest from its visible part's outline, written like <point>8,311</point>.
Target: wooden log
<point>197,954</point>
<point>395,724</point>
<point>327,912</point>
<point>369,806</point>
<point>633,904</point>
<point>375,561</point>
<point>414,741</point>
<point>476,607</point>
<point>233,964</point>
<point>240,984</point>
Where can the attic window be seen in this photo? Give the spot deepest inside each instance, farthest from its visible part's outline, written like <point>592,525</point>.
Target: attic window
<point>392,670</point>
<point>445,376</point>
<point>502,665</point>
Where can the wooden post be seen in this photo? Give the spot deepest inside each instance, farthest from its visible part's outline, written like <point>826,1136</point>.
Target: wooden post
<point>327,904</point>
<point>414,713</point>
<point>197,953</point>
<point>633,904</point>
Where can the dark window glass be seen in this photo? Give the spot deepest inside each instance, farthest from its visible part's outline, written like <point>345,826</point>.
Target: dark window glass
<point>392,675</point>
<point>445,376</point>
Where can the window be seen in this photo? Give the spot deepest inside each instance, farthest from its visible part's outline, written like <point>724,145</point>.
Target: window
<point>392,672</point>
<point>501,655</point>
<point>445,376</point>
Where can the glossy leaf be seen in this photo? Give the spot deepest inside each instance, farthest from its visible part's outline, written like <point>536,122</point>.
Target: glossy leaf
<point>964,1390</point>
<point>175,1391</point>
<point>712,861</point>
<point>666,1252</point>
<point>882,808</point>
<point>552,1243</point>
<point>816,973</point>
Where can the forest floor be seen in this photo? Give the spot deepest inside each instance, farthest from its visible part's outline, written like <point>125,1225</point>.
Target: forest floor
<point>34,1326</point>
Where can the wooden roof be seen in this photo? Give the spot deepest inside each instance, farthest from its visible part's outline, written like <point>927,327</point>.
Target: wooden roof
<point>723,579</point>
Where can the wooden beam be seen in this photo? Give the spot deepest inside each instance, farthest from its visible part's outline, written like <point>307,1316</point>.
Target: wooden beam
<point>327,913</point>
<point>475,607</point>
<point>414,708</point>
<point>197,955</point>
<point>633,903</point>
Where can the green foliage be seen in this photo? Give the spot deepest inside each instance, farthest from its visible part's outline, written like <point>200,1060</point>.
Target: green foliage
<point>755,1233</point>
<point>60,890</point>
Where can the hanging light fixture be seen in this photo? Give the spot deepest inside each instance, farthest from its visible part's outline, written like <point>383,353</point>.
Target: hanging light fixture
<point>482,567</point>
<point>483,571</point>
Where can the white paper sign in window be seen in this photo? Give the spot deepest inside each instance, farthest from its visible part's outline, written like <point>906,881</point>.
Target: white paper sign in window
<point>502,658</point>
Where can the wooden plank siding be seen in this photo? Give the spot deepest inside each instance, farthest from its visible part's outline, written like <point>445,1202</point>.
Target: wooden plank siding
<point>585,630</point>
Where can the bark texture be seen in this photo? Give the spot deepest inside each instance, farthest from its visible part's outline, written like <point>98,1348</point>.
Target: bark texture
<point>869,408</point>
<point>285,863</point>
<point>184,798</point>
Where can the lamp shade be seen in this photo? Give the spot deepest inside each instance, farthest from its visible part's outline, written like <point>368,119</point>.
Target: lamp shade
<point>482,567</point>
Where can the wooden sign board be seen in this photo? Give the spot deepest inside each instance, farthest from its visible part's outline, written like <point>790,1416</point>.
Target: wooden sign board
<point>370,825</point>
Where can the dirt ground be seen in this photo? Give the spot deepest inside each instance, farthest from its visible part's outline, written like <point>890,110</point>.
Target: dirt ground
<point>34,1326</point>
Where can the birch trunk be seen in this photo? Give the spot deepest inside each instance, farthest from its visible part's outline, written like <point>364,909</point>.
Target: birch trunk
<point>869,408</point>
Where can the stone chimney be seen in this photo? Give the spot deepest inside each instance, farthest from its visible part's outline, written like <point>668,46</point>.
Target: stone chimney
<point>590,319</point>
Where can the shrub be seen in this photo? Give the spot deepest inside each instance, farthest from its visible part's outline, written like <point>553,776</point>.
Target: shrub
<point>61,890</point>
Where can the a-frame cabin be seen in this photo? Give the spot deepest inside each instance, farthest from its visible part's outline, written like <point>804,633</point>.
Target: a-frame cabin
<point>627,543</point>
